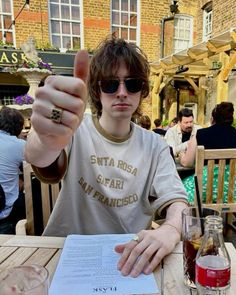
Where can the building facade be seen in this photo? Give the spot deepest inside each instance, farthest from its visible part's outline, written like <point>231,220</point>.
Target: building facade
<point>160,28</point>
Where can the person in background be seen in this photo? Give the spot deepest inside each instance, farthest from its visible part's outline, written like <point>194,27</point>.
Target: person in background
<point>178,136</point>
<point>11,157</point>
<point>159,129</point>
<point>220,135</point>
<point>173,122</point>
<point>114,171</point>
<point>145,122</point>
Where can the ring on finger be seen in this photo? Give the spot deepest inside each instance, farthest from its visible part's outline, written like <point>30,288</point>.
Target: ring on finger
<point>56,115</point>
<point>136,238</point>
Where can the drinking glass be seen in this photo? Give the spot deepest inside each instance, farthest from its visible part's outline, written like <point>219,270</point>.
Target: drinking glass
<point>24,280</point>
<point>192,232</point>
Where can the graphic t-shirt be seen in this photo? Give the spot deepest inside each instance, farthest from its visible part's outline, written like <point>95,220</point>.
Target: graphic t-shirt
<point>112,185</point>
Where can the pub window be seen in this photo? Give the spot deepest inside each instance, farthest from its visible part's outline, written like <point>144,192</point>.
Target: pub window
<point>6,19</point>
<point>125,20</point>
<point>183,32</point>
<point>66,24</point>
<point>207,21</point>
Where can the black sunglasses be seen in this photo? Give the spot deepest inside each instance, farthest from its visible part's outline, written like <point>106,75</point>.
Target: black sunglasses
<point>133,85</point>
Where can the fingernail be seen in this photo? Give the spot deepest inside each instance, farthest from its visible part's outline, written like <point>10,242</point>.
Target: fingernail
<point>134,274</point>
<point>147,270</point>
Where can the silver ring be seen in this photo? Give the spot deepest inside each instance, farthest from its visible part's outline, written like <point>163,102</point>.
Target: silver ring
<point>136,238</point>
<point>56,115</point>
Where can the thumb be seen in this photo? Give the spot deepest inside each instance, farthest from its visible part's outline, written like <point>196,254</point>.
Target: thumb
<point>81,65</point>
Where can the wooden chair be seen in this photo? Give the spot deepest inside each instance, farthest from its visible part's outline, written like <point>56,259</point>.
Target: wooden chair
<point>38,208</point>
<point>212,158</point>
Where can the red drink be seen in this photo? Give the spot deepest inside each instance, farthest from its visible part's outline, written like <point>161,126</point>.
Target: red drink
<point>213,272</point>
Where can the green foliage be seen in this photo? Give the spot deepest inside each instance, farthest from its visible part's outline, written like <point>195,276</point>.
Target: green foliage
<point>165,122</point>
<point>5,44</point>
<point>47,46</point>
<point>234,123</point>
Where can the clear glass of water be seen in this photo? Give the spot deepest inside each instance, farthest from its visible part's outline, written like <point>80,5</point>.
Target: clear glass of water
<point>25,280</point>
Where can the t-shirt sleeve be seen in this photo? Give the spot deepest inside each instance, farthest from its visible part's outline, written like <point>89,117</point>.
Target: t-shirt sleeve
<point>53,173</point>
<point>167,186</point>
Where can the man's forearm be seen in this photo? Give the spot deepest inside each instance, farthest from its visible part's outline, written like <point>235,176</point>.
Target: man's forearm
<point>174,215</point>
<point>38,154</point>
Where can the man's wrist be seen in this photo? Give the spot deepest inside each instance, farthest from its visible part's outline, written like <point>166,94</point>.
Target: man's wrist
<point>166,223</point>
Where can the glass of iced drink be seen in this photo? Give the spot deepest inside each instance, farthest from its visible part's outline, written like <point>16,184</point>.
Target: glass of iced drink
<point>192,232</point>
<point>24,280</point>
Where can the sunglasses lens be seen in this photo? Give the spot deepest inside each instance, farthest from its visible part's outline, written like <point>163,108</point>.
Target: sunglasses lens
<point>133,85</point>
<point>109,86</point>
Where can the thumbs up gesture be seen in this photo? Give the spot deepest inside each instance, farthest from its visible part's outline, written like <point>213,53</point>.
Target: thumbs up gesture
<point>58,108</point>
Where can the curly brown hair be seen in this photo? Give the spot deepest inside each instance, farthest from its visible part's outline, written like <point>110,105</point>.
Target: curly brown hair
<point>11,121</point>
<point>106,61</point>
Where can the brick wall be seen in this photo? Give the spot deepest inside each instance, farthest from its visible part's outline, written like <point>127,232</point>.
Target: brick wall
<point>224,15</point>
<point>32,22</point>
<point>96,22</point>
<point>97,25</point>
<point>151,14</point>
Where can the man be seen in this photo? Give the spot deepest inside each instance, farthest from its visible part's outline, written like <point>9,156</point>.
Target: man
<point>145,122</point>
<point>159,129</point>
<point>107,187</point>
<point>178,136</point>
<point>11,157</point>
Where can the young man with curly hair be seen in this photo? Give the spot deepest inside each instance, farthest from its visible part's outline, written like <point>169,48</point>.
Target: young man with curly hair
<point>116,175</point>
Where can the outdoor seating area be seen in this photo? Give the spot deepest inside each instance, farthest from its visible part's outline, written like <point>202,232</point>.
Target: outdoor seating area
<point>40,199</point>
<point>46,251</point>
<point>117,147</point>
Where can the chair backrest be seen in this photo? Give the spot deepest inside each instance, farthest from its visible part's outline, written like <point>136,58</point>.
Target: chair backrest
<point>217,162</point>
<point>40,199</point>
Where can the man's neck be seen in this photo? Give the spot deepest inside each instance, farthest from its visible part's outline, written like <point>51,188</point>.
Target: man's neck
<point>115,127</point>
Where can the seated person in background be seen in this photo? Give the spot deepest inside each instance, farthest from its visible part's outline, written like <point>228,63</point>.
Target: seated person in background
<point>101,157</point>
<point>11,157</point>
<point>220,135</point>
<point>178,136</point>
<point>172,123</point>
<point>159,129</point>
<point>145,122</point>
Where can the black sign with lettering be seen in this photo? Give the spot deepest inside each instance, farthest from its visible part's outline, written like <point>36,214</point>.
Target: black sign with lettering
<point>61,63</point>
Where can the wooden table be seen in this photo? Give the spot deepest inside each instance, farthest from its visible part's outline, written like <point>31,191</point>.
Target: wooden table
<point>16,250</point>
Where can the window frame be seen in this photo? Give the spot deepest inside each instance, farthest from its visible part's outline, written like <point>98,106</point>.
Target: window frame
<point>184,17</point>
<point>120,26</point>
<point>207,13</point>
<point>69,20</point>
<point>5,29</point>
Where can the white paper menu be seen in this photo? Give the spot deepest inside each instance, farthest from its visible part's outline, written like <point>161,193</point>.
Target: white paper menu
<point>88,266</point>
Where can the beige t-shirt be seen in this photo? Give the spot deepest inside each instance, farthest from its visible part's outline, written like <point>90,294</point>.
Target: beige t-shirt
<point>114,185</point>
